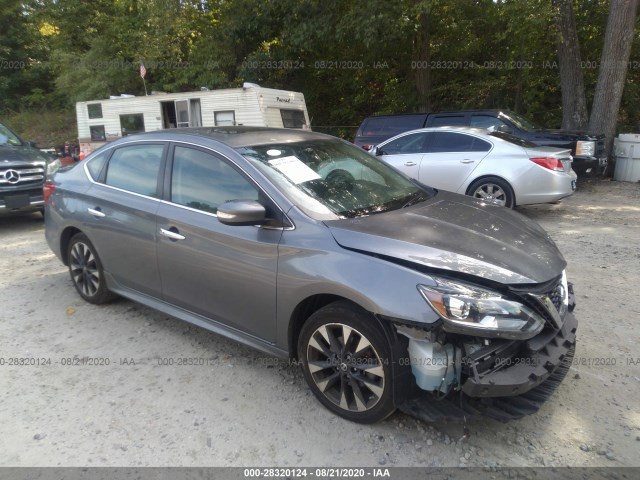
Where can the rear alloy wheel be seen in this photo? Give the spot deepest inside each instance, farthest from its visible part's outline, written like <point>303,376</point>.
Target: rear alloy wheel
<point>492,190</point>
<point>346,362</point>
<point>86,270</point>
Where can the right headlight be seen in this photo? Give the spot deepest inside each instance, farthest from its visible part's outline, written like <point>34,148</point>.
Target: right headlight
<point>472,310</point>
<point>585,148</point>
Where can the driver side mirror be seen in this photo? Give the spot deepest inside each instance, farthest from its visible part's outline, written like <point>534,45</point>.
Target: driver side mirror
<point>378,151</point>
<point>242,213</point>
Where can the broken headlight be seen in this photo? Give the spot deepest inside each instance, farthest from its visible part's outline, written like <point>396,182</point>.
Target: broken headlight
<point>472,310</point>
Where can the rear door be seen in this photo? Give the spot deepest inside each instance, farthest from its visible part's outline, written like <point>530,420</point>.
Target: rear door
<point>450,158</point>
<point>225,273</point>
<point>120,214</point>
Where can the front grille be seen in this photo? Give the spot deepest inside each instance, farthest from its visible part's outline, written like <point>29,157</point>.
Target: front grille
<point>21,175</point>
<point>556,296</point>
<point>536,299</point>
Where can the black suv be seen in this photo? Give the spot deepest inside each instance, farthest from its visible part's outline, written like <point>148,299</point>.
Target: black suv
<point>587,149</point>
<point>23,169</point>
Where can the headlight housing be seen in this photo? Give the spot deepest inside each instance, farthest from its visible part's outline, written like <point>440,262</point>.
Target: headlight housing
<point>585,148</point>
<point>52,167</point>
<point>472,310</point>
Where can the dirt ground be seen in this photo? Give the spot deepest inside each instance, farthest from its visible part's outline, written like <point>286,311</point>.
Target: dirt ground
<point>241,408</point>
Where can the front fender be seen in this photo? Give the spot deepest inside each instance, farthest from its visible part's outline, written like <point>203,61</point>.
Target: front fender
<point>310,263</point>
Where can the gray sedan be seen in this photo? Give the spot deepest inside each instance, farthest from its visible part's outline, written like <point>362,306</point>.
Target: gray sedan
<point>492,166</point>
<point>390,294</point>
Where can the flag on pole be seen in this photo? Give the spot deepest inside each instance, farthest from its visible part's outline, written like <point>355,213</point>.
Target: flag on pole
<point>143,71</point>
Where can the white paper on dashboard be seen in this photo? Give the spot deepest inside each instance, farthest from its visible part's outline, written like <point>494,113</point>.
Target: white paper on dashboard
<point>294,169</point>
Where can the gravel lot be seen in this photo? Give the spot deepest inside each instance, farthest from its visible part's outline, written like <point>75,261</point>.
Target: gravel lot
<point>242,408</point>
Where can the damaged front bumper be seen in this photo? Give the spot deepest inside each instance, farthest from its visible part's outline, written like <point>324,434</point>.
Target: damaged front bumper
<point>503,380</point>
<point>536,362</point>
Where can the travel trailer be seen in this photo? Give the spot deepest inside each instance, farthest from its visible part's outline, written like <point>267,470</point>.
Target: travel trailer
<point>101,121</point>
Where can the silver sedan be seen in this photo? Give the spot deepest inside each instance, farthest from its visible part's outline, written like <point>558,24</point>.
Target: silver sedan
<point>492,166</point>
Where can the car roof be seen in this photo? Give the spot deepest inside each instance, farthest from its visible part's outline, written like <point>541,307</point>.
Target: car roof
<point>443,112</point>
<point>238,136</point>
<point>477,131</point>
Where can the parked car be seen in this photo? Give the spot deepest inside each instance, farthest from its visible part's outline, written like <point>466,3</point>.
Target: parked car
<point>494,167</point>
<point>587,149</point>
<point>23,169</point>
<point>389,293</point>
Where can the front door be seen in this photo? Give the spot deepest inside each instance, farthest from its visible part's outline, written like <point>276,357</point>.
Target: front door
<point>225,273</point>
<point>405,153</point>
<point>450,158</point>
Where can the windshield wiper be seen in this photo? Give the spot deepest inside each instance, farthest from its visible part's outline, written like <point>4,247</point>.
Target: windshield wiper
<point>416,197</point>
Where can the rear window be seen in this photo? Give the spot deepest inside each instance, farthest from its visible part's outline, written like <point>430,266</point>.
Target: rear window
<point>515,140</point>
<point>391,126</point>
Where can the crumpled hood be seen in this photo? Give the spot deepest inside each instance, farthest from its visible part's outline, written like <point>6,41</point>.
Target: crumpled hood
<point>457,233</point>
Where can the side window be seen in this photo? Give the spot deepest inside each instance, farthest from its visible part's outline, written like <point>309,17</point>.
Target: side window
<point>485,121</point>
<point>480,145</point>
<point>225,118</point>
<point>443,142</point>
<point>292,118</point>
<point>130,124</point>
<point>413,143</point>
<point>96,164</point>
<point>94,110</point>
<point>203,181</point>
<point>135,168</point>
<point>392,125</point>
<point>448,121</point>
<point>97,133</point>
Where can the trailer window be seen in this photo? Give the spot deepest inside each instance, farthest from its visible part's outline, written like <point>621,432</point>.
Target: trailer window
<point>131,124</point>
<point>97,133</point>
<point>225,118</point>
<point>94,110</point>
<point>293,118</point>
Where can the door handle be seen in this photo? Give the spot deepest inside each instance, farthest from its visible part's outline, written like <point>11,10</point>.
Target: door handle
<point>96,212</point>
<point>172,234</point>
<point>466,160</point>
<point>409,164</point>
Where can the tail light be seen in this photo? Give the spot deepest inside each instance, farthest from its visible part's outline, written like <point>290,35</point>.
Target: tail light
<point>47,189</point>
<point>549,162</point>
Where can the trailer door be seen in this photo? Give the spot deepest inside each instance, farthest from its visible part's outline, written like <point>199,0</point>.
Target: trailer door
<point>182,113</point>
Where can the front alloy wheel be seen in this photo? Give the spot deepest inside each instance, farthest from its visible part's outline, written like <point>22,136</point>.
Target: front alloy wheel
<point>346,363</point>
<point>86,270</point>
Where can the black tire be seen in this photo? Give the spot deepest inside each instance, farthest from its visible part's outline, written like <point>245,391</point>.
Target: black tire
<point>86,270</point>
<point>353,379</point>
<point>493,190</point>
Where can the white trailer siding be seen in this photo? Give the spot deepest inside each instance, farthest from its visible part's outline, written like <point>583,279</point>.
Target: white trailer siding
<point>255,106</point>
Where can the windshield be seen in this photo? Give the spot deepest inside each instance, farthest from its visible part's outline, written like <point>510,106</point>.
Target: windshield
<point>331,179</point>
<point>7,137</point>
<point>521,122</point>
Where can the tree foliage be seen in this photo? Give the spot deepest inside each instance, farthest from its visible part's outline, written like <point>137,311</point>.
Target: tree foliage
<point>349,58</point>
